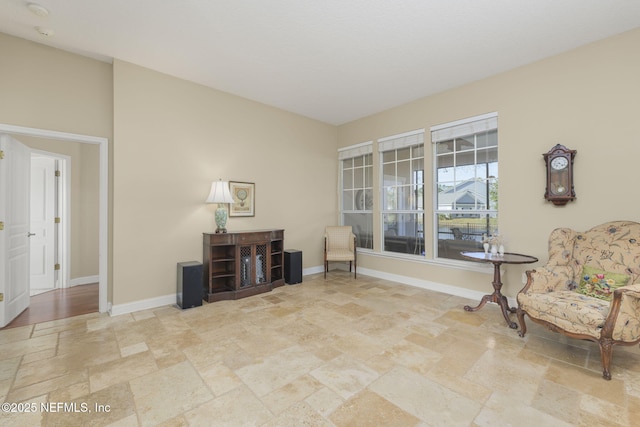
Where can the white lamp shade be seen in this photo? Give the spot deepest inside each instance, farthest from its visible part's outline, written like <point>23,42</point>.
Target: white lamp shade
<point>220,193</point>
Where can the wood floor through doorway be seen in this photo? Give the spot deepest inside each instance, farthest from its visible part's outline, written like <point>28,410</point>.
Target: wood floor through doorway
<point>59,304</point>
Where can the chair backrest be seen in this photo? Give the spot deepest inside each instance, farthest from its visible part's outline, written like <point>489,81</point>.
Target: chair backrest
<point>339,237</point>
<point>612,246</point>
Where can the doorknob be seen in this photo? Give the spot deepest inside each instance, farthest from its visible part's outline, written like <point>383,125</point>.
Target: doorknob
<point>31,234</point>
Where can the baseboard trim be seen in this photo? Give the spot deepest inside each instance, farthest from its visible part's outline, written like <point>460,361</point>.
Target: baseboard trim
<point>151,303</point>
<point>312,270</point>
<point>145,304</point>
<point>84,280</point>
<point>423,284</point>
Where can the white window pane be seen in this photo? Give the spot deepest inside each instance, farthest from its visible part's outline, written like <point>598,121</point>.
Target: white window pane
<point>358,178</point>
<point>347,200</point>
<point>465,158</point>
<point>357,195</point>
<point>444,161</point>
<point>403,153</point>
<point>466,182</point>
<point>417,165</point>
<point>368,160</point>
<point>347,179</point>
<point>462,231</point>
<point>389,156</point>
<point>389,174</point>
<point>404,233</point>
<point>362,226</point>
<point>404,172</point>
<point>389,198</point>
<point>444,147</point>
<point>417,197</point>
<point>368,177</point>
<point>464,144</point>
<point>487,155</point>
<point>487,139</point>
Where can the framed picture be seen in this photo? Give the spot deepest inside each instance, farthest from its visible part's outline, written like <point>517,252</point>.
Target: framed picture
<point>244,196</point>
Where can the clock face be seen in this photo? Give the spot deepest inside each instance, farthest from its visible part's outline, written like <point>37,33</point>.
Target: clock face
<point>559,163</point>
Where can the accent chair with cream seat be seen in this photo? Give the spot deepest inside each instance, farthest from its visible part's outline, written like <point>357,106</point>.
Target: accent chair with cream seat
<point>590,287</point>
<point>340,245</point>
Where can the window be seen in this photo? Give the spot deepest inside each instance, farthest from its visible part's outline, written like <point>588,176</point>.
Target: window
<point>466,184</point>
<point>356,172</point>
<point>402,192</point>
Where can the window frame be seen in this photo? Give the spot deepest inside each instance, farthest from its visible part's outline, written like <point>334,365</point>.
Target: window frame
<point>472,126</point>
<point>352,152</point>
<point>394,143</point>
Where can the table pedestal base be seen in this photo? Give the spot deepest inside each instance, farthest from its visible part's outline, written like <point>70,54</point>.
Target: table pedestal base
<point>496,296</point>
<point>499,299</point>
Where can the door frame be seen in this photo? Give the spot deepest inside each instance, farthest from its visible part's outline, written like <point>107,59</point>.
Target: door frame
<point>103,208</point>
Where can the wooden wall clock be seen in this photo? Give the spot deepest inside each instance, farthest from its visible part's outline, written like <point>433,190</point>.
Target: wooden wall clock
<point>559,163</point>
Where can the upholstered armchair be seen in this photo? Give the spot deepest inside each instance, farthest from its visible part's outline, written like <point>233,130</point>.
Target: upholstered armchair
<point>590,287</point>
<point>340,245</point>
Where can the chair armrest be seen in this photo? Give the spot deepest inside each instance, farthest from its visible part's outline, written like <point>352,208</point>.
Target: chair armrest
<point>352,242</point>
<point>547,279</point>
<point>623,321</point>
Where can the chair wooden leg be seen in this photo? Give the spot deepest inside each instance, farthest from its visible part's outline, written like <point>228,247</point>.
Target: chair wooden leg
<point>523,326</point>
<point>326,267</point>
<point>606,352</point>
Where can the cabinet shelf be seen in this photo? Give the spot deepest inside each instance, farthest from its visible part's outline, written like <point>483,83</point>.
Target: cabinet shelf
<point>216,276</point>
<point>238,265</point>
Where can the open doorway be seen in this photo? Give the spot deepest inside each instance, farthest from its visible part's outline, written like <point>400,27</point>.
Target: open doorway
<point>102,196</point>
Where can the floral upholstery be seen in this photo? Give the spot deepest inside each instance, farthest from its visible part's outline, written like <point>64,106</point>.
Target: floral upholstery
<point>550,296</point>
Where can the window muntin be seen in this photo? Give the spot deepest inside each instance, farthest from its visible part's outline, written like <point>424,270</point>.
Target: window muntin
<point>402,194</point>
<point>357,196</point>
<point>465,185</point>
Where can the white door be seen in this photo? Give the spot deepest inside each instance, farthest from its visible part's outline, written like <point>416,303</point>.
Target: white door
<point>43,213</point>
<point>14,240</point>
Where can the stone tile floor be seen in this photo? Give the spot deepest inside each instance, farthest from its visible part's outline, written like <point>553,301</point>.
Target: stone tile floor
<point>336,352</point>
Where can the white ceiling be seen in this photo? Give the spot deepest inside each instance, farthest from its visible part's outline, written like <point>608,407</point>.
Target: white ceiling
<point>331,60</point>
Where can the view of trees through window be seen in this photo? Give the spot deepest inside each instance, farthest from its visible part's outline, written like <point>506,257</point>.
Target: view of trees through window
<point>467,192</point>
<point>464,178</point>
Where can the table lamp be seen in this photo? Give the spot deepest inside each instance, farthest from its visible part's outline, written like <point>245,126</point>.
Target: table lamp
<point>220,194</point>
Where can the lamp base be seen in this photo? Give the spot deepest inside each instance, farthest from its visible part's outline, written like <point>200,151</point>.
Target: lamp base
<point>221,219</point>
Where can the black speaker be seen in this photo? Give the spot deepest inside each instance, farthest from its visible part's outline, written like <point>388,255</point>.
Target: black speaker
<point>292,266</point>
<point>189,284</point>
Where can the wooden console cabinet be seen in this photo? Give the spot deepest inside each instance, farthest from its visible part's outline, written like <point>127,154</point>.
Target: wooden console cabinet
<point>238,265</point>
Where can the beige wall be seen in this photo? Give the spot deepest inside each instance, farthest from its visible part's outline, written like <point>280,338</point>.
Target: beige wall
<point>51,89</point>
<point>172,138</point>
<point>587,99</point>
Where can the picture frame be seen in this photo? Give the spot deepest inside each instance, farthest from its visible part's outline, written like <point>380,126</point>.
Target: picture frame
<point>244,196</point>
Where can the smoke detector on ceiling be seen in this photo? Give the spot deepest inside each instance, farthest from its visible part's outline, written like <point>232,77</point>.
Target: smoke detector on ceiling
<point>36,9</point>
